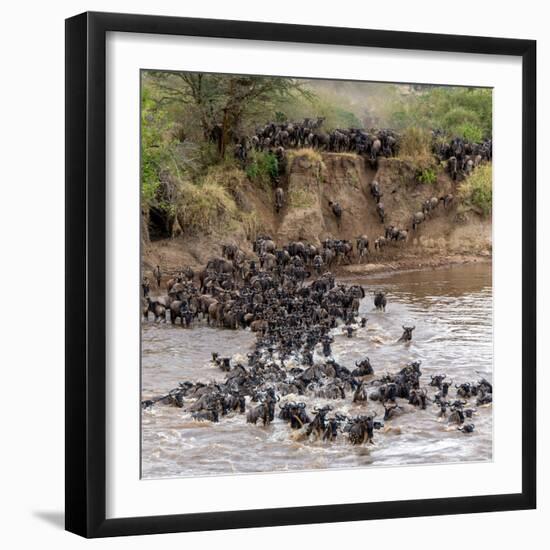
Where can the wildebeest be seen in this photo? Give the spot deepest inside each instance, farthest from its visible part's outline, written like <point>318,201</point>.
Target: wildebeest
<point>363,368</point>
<point>145,287</point>
<point>360,394</point>
<point>381,212</point>
<point>157,275</point>
<point>417,219</point>
<point>466,428</point>
<point>393,410</point>
<point>361,429</point>
<point>380,301</point>
<point>211,415</point>
<point>279,199</point>
<point>180,309</point>
<point>317,426</point>
<point>295,414</point>
<point>362,244</point>
<point>437,379</point>
<point>158,309</point>
<point>407,334</point>
<point>418,397</point>
<point>336,210</point>
<point>380,243</point>
<point>375,191</point>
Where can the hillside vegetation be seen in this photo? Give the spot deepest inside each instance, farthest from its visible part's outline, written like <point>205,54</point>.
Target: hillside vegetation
<point>194,189</point>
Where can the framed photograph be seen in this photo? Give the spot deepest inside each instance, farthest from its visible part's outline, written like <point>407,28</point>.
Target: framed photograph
<point>300,274</point>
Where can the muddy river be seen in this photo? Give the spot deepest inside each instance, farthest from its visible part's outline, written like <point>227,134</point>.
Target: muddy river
<point>452,311</point>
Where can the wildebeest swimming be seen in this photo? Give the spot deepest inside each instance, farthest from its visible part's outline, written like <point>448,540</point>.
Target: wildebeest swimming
<point>294,310</point>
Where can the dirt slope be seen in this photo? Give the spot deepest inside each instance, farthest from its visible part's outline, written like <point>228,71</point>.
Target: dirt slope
<point>313,180</point>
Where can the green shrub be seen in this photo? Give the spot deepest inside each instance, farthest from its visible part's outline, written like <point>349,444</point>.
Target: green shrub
<point>477,189</point>
<point>427,175</point>
<point>457,111</point>
<point>470,132</point>
<point>262,167</point>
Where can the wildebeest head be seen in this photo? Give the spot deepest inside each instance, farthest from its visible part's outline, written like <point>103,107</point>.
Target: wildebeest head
<point>364,368</point>
<point>391,410</point>
<point>437,380</point>
<point>445,387</point>
<point>407,334</point>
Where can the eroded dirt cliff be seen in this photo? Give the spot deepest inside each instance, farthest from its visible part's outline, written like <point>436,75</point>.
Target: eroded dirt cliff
<point>310,182</point>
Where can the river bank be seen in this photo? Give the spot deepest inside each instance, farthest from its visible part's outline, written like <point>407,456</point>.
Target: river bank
<point>409,264</point>
<point>451,235</point>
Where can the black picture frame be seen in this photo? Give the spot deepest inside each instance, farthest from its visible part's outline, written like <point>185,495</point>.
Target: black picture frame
<point>86,276</point>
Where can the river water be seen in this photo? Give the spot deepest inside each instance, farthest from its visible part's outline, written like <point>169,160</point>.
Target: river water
<point>452,311</point>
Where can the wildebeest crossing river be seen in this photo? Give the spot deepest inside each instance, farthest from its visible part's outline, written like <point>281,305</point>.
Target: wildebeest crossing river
<point>452,311</point>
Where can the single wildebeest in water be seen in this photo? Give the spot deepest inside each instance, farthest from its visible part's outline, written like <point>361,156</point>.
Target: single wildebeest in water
<point>364,368</point>
<point>348,330</point>
<point>331,427</point>
<point>437,380</point>
<point>361,429</point>
<point>259,412</point>
<point>466,429</point>
<point>392,410</point>
<point>360,394</point>
<point>318,424</point>
<point>407,334</point>
<point>380,301</point>
<point>418,398</point>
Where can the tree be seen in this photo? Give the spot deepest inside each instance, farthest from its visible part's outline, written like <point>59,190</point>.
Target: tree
<point>222,103</point>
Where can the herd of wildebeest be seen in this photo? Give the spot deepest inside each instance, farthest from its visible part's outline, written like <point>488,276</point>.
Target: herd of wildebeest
<point>289,298</point>
<point>460,157</point>
<point>372,143</point>
<point>295,321</point>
